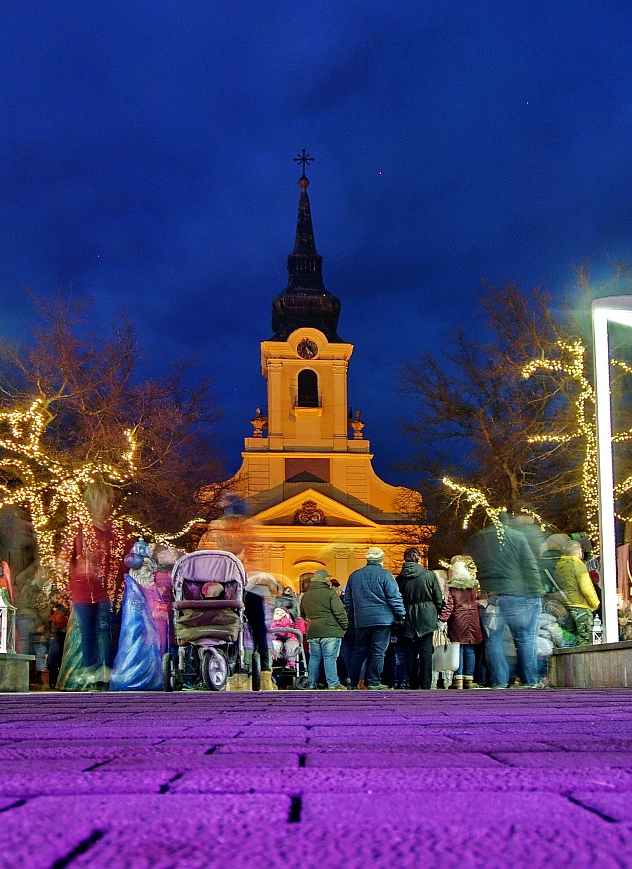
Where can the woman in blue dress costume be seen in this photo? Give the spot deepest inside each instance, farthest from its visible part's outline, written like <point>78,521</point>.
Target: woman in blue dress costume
<point>144,634</point>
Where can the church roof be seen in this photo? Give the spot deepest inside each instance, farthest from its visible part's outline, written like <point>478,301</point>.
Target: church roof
<point>305,301</point>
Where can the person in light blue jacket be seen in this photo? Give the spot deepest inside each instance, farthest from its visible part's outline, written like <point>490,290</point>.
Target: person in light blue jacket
<point>373,603</point>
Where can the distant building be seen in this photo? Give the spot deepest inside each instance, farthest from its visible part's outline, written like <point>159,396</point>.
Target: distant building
<point>312,495</point>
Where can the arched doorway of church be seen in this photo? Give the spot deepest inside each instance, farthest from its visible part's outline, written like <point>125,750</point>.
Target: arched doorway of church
<point>303,571</point>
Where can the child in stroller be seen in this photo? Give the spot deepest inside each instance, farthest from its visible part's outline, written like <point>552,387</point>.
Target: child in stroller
<point>285,644</point>
<point>287,632</point>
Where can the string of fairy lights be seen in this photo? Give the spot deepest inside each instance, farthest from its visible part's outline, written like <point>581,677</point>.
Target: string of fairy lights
<point>476,500</point>
<point>572,363</point>
<point>45,485</point>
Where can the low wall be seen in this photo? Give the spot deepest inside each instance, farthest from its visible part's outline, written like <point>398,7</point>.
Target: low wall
<point>604,666</point>
<point>14,672</point>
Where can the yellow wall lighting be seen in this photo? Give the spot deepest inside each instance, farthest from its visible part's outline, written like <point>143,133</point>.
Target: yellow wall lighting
<point>611,309</point>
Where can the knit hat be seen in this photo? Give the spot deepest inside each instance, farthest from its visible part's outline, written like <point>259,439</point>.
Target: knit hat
<point>374,554</point>
<point>320,576</point>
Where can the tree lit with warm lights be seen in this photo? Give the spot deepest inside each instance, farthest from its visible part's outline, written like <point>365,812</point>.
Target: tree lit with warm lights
<point>74,412</point>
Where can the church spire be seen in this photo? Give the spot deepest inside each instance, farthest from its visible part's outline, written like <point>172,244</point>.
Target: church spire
<point>305,301</point>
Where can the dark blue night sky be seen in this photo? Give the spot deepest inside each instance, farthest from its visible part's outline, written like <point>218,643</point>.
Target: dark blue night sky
<point>146,159</point>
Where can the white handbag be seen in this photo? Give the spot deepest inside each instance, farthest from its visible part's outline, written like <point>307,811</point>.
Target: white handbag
<point>446,658</point>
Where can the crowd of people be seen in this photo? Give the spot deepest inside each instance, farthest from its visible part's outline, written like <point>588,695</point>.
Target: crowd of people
<point>502,607</point>
<point>490,619</point>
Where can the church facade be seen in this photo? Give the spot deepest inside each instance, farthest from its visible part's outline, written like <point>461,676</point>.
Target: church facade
<point>313,498</point>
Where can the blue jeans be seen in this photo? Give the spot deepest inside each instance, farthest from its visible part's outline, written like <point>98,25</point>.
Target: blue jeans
<point>370,643</point>
<point>24,627</point>
<point>325,649</point>
<point>95,621</point>
<point>521,613</point>
<point>467,660</point>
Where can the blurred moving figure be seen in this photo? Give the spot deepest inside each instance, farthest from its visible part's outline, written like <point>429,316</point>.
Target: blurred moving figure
<point>509,574</point>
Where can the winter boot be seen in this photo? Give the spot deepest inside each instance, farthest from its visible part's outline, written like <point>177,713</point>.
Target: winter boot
<point>468,682</point>
<point>266,681</point>
<point>239,682</point>
<point>457,682</point>
<point>435,679</point>
<point>446,677</point>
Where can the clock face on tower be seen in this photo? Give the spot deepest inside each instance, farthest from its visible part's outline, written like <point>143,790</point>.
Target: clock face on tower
<point>307,349</point>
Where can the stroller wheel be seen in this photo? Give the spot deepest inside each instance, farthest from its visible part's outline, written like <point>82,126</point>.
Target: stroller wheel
<point>214,669</point>
<point>301,683</point>
<point>169,678</point>
<point>256,671</point>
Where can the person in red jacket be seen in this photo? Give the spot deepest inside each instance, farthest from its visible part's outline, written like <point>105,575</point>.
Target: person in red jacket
<point>96,576</point>
<point>460,611</point>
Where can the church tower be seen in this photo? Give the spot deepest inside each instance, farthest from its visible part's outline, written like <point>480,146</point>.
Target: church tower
<point>311,491</point>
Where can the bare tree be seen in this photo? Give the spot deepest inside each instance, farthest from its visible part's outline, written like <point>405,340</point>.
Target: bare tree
<point>479,416</point>
<point>93,398</point>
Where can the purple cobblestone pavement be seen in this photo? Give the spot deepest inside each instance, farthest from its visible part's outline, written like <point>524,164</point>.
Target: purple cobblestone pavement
<point>316,779</point>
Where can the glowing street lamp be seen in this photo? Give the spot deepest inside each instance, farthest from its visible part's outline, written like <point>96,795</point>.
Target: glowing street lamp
<point>612,309</point>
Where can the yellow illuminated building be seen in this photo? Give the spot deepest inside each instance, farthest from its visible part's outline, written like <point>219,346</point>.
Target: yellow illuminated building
<point>312,495</point>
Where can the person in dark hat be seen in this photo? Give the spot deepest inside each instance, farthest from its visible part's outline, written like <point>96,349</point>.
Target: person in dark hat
<point>328,623</point>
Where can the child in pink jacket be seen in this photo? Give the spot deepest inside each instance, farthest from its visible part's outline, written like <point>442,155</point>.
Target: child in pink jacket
<point>286,645</point>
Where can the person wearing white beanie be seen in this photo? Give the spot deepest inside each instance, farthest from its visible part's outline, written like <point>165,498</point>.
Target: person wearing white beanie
<point>373,603</point>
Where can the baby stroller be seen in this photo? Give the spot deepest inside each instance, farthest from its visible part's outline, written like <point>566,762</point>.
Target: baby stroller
<point>208,611</point>
<point>292,669</point>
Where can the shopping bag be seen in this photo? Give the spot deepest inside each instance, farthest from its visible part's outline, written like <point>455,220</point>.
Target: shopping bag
<point>446,658</point>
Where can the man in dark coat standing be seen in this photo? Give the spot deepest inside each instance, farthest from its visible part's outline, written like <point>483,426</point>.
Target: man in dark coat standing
<point>423,602</point>
<point>373,602</point>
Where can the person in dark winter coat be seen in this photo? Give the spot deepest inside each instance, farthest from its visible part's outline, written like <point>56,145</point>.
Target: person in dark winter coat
<point>328,622</point>
<point>460,611</point>
<point>423,602</point>
<point>509,574</point>
<point>373,602</point>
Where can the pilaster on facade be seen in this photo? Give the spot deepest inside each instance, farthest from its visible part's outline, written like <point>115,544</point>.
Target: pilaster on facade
<point>341,556</point>
<point>359,556</point>
<point>275,417</point>
<point>277,555</point>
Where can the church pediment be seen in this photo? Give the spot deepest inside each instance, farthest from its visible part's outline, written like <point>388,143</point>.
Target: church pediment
<point>310,508</point>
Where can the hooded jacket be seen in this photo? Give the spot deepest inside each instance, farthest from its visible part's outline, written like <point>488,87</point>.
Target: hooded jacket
<point>460,611</point>
<point>325,611</point>
<point>571,574</point>
<point>422,599</point>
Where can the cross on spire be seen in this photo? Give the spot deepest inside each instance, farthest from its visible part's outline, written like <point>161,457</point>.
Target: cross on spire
<point>303,158</point>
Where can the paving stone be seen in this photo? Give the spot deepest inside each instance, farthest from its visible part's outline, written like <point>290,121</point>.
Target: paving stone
<point>572,759</point>
<point>406,759</point>
<point>365,779</point>
<point>125,782</point>
<point>612,804</point>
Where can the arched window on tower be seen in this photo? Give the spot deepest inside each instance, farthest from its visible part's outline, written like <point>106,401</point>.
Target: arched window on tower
<point>307,395</point>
